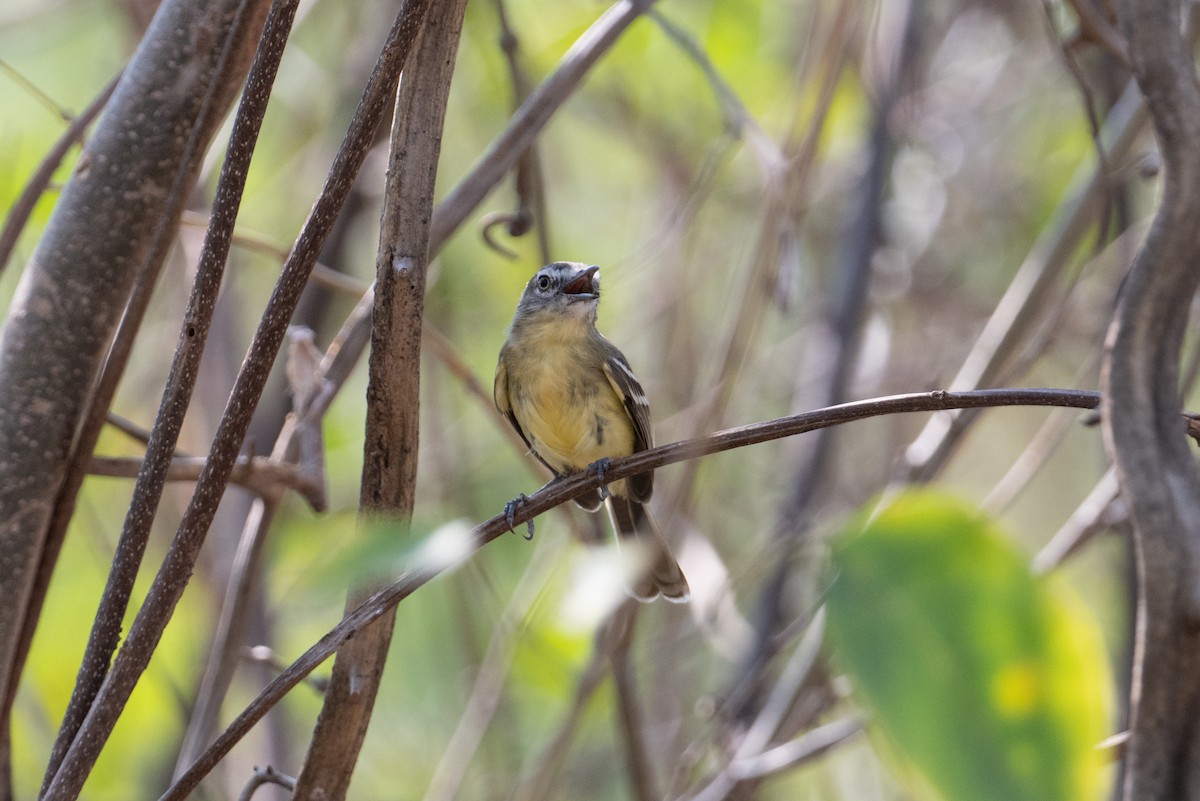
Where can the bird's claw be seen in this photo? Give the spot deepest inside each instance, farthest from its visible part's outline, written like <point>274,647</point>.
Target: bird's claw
<point>510,513</point>
<point>599,468</point>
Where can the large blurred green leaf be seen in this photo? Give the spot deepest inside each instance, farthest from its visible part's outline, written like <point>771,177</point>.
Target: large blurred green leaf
<point>993,683</point>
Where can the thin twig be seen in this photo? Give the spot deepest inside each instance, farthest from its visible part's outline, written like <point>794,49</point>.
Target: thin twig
<point>1030,290</point>
<point>1088,103</point>
<point>267,775</point>
<point>528,183</point>
<point>489,682</point>
<point>230,631</point>
<point>531,117</point>
<point>322,274</point>
<point>40,95</point>
<point>389,472</point>
<point>263,655</point>
<point>1037,452</point>
<point>177,567</point>
<point>630,730</point>
<point>22,207</point>
<point>261,475</point>
<point>803,749</point>
<point>576,486</point>
<point>106,628</point>
<point>765,727</point>
<point>130,429</point>
<point>1100,30</point>
<point>1093,515</point>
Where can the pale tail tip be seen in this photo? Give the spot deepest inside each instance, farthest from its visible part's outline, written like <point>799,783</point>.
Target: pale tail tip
<point>675,592</point>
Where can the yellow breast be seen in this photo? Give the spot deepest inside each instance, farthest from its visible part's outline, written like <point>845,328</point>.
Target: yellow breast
<point>564,402</point>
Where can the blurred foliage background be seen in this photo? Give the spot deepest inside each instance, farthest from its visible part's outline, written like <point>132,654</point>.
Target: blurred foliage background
<point>662,169</point>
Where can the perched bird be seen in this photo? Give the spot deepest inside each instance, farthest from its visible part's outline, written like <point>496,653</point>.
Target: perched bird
<point>573,398</point>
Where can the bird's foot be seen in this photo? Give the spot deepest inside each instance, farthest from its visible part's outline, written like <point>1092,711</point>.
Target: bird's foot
<point>510,512</point>
<point>599,468</point>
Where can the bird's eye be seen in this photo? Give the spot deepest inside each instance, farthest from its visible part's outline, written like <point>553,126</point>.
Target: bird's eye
<point>543,282</point>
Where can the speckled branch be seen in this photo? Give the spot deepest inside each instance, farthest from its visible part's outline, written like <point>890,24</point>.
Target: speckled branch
<point>1142,429</point>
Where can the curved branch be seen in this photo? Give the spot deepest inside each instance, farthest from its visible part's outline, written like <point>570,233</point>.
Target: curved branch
<point>574,486</point>
<point>1142,430</point>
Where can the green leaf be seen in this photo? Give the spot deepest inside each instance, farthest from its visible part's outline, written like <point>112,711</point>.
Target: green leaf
<point>991,682</point>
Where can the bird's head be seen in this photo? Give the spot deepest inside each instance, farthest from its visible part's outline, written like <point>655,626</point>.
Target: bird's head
<point>564,287</point>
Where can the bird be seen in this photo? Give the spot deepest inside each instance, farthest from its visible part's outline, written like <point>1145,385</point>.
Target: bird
<point>576,403</point>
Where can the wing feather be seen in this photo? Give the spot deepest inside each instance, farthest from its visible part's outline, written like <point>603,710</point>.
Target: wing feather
<point>624,382</point>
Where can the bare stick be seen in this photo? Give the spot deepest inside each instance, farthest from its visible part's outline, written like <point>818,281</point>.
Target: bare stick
<point>577,485</point>
<point>267,775</point>
<point>393,392</point>
<point>837,344</point>
<point>261,475</point>
<point>243,19</point>
<point>531,117</point>
<point>1030,290</point>
<point>22,208</point>
<point>1154,464</point>
<point>168,585</point>
<point>803,749</point>
<point>638,760</point>
<point>1091,516</point>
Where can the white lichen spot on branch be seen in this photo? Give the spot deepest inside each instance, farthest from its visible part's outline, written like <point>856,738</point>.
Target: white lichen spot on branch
<point>402,265</point>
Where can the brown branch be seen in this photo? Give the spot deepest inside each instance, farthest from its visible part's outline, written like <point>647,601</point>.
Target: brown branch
<point>1099,30</point>
<point>131,255</point>
<point>393,392</point>
<point>1031,289</point>
<point>177,567</point>
<point>267,775</point>
<point>531,117</point>
<point>630,730</point>
<point>1142,432</point>
<point>1094,514</point>
<point>577,485</point>
<point>264,476</point>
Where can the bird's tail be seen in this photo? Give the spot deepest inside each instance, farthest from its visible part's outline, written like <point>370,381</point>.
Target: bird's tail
<point>632,520</point>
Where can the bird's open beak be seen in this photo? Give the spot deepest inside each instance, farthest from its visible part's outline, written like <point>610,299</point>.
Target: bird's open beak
<point>583,286</point>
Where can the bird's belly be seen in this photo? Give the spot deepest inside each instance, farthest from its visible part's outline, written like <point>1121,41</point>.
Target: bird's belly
<point>572,423</point>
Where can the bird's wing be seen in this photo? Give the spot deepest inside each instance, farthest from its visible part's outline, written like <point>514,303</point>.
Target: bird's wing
<point>629,389</point>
